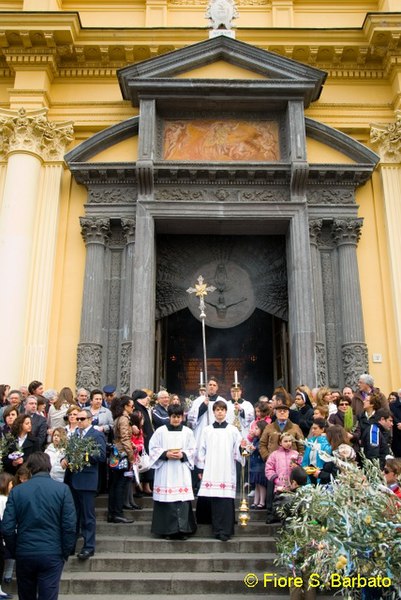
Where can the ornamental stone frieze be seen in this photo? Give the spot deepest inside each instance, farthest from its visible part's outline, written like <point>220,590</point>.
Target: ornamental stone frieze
<point>347,231</point>
<point>386,139</point>
<point>125,367</point>
<point>31,131</point>
<point>330,196</point>
<point>222,195</point>
<point>95,230</point>
<point>124,195</point>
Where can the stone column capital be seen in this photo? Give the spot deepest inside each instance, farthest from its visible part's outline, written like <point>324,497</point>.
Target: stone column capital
<point>386,139</point>
<point>31,131</point>
<point>347,231</point>
<point>315,230</point>
<point>95,230</point>
<point>129,226</point>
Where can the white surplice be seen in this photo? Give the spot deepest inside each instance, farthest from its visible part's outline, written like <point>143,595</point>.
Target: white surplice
<point>172,478</point>
<point>197,423</point>
<point>219,448</point>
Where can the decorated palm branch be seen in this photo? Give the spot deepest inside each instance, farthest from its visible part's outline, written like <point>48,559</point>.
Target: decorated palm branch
<point>78,451</point>
<point>6,443</point>
<point>346,535</point>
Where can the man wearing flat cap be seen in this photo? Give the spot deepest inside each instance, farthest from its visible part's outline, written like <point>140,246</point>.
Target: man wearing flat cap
<point>269,441</point>
<point>109,393</point>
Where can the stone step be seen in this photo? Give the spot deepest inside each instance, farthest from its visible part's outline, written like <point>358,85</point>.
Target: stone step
<point>136,545</point>
<point>277,596</point>
<point>143,528</point>
<point>162,584</point>
<point>190,561</point>
<point>145,514</point>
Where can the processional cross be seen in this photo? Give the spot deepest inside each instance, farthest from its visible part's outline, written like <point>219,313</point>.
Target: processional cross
<point>201,290</point>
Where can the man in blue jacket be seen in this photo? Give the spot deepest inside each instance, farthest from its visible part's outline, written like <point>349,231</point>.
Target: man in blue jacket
<point>84,484</point>
<point>39,528</point>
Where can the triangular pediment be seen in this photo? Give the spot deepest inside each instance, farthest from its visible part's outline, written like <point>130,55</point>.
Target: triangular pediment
<point>275,75</point>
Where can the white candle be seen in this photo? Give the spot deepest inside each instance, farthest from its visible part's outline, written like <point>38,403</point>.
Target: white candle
<point>201,378</point>
<point>235,378</point>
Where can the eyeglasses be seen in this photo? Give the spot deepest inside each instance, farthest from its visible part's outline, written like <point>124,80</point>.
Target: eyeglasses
<point>82,418</point>
<point>344,404</point>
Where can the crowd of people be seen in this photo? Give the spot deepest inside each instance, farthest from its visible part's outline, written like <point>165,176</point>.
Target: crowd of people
<point>193,451</point>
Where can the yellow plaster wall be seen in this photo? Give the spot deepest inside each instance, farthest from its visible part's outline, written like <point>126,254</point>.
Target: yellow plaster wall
<point>125,151</point>
<point>378,310</point>
<point>220,69</point>
<point>318,153</point>
<point>68,288</point>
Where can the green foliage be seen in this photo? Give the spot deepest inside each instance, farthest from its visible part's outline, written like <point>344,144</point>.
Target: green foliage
<point>78,452</point>
<point>6,442</point>
<point>351,527</point>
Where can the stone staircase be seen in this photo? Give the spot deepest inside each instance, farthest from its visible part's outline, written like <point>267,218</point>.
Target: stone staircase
<point>129,562</point>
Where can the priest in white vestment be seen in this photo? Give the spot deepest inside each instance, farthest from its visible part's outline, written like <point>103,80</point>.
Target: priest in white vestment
<point>171,452</point>
<point>218,451</point>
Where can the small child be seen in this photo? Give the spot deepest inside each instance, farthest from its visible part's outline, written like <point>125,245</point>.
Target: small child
<point>257,468</point>
<point>262,413</point>
<point>134,487</point>
<point>22,475</point>
<point>56,452</point>
<point>281,462</point>
<point>6,563</point>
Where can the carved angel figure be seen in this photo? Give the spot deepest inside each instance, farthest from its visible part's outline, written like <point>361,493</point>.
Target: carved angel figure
<point>221,13</point>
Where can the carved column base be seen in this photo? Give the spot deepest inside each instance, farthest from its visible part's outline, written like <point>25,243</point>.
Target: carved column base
<point>321,374</point>
<point>355,361</point>
<point>125,367</point>
<point>89,363</point>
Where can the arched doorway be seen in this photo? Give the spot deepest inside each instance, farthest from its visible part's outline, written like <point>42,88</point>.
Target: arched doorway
<point>254,349</point>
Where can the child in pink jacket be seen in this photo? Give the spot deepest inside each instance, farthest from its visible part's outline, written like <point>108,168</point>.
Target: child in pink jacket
<point>281,462</point>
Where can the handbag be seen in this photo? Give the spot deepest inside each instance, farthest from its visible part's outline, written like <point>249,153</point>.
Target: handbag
<point>143,462</point>
<point>118,460</point>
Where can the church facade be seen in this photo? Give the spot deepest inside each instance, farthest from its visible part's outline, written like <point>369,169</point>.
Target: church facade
<point>266,161</point>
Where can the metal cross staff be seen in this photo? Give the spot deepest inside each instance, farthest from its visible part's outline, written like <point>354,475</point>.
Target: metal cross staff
<point>201,289</point>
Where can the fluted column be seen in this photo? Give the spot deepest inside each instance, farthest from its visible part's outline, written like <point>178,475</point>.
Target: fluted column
<point>346,234</point>
<point>386,139</point>
<point>27,140</point>
<point>128,226</point>
<point>301,303</point>
<point>315,229</point>
<point>143,320</point>
<point>96,232</point>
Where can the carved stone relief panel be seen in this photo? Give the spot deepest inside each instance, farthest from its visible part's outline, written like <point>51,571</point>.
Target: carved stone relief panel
<point>89,365</point>
<point>248,272</point>
<point>331,196</point>
<point>221,140</point>
<point>112,195</point>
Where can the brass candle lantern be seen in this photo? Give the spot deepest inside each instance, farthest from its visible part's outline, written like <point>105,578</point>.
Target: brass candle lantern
<point>244,515</point>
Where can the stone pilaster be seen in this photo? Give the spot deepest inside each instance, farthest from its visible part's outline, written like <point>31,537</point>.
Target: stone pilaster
<point>301,302</point>
<point>96,232</point>
<point>346,234</point>
<point>143,320</point>
<point>28,223</point>
<point>128,226</point>
<point>315,229</point>
<point>387,141</point>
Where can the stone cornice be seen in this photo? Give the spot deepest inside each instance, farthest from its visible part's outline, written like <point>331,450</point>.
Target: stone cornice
<point>370,52</point>
<point>30,131</point>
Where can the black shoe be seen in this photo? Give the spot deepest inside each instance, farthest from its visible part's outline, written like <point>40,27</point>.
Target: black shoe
<point>85,554</point>
<point>128,507</point>
<point>121,520</point>
<point>272,519</point>
<point>135,506</point>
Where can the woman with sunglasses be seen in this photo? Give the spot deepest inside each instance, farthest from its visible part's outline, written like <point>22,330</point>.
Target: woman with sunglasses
<point>392,473</point>
<point>346,418</point>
